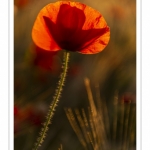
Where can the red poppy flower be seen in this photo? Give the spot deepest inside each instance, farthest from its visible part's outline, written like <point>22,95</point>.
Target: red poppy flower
<point>117,12</point>
<point>128,98</point>
<point>74,70</point>
<point>35,117</point>
<point>44,62</point>
<point>43,59</point>
<point>21,3</point>
<point>16,110</point>
<point>72,26</point>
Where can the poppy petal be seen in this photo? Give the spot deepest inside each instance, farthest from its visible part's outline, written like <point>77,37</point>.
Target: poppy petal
<point>98,32</point>
<point>40,32</point>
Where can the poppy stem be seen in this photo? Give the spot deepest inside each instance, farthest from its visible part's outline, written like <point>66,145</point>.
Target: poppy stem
<point>54,102</point>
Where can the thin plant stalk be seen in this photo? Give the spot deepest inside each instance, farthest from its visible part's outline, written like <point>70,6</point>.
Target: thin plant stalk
<point>132,124</point>
<point>115,118</point>
<point>54,102</point>
<point>75,127</point>
<point>82,125</point>
<point>61,147</point>
<point>96,117</point>
<point>89,132</point>
<point>126,126</point>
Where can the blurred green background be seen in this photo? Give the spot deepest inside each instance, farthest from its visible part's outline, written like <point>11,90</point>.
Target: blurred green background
<point>113,70</point>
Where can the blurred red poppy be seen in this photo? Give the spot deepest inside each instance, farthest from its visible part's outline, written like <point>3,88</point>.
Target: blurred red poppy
<point>43,59</point>
<point>117,12</point>
<point>16,110</point>
<point>29,115</point>
<point>44,62</point>
<point>72,26</point>
<point>35,117</point>
<point>128,98</point>
<point>74,70</point>
<point>21,3</point>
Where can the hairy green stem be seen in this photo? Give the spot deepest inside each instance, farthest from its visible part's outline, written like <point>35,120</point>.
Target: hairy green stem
<point>54,102</point>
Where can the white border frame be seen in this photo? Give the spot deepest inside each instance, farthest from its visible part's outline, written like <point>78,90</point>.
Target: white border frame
<point>6,74</point>
<point>145,77</point>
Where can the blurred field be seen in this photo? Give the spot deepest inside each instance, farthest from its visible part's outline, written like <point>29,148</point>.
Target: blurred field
<point>112,71</point>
